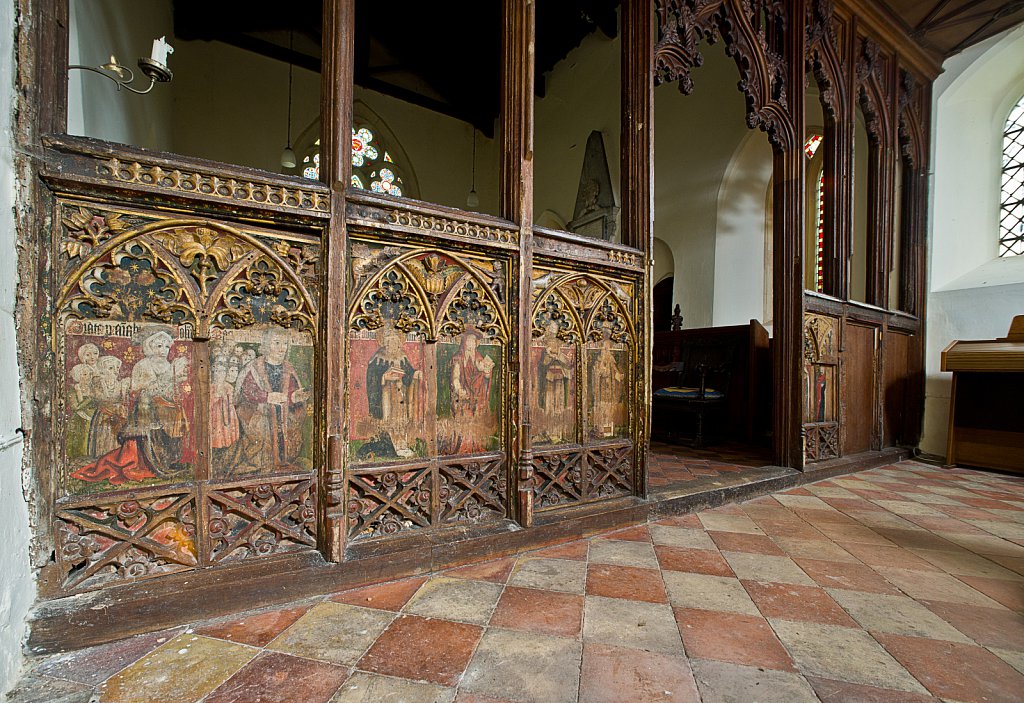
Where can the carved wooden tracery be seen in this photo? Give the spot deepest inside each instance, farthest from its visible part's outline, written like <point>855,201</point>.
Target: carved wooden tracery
<point>821,379</point>
<point>166,462</point>
<point>752,31</point>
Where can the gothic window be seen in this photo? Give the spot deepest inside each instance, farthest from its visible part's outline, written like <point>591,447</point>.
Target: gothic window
<point>810,149</point>
<point>1011,211</point>
<point>373,168</point>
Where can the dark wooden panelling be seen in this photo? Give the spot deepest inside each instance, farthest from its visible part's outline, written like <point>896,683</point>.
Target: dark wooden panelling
<point>895,389</point>
<point>857,388</point>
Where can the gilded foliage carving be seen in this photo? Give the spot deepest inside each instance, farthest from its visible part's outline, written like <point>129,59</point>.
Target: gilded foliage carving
<point>263,292</point>
<point>108,542</point>
<point>87,229</point>
<point>386,503</point>
<point>470,308</point>
<point>394,298</point>
<point>473,490</point>
<point>820,339</point>
<point>553,316</point>
<point>260,520</point>
<point>174,179</point>
<point>608,321</point>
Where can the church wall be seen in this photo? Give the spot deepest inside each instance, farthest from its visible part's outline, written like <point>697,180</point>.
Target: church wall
<point>740,263</point>
<point>695,138</point>
<point>973,293</point>
<point>581,95</point>
<point>17,586</point>
<point>125,28</point>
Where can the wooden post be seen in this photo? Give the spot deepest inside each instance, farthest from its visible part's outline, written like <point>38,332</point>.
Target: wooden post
<point>335,166</point>
<point>516,192</point>
<point>637,190</point>
<point>788,285</point>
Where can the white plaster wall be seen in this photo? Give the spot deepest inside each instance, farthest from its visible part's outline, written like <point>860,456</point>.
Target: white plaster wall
<point>125,28</point>
<point>973,294</point>
<point>695,137</point>
<point>582,94</point>
<point>664,262</point>
<point>17,586</point>
<point>740,264</point>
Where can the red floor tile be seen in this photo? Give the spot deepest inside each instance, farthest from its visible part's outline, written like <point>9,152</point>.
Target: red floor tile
<point>842,692</point>
<point>1009,593</point>
<point>730,637</point>
<point>958,671</point>
<point>410,649</point>
<point>494,571</point>
<point>543,612</point>
<point>640,533</point>
<point>621,675</point>
<point>387,596</point>
<point>991,627</point>
<point>792,602</point>
<point>280,678</point>
<point>852,577</point>
<point>570,550</point>
<point>689,520</point>
<point>256,630</point>
<point>625,582</point>
<point>695,561</point>
<point>741,542</point>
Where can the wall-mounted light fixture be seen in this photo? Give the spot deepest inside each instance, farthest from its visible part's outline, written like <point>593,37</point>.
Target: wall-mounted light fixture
<point>153,67</point>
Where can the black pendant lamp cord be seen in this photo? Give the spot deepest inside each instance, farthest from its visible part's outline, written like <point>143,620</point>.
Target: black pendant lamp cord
<point>291,52</point>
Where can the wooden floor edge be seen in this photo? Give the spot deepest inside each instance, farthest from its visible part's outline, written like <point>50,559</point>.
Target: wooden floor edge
<point>100,617</point>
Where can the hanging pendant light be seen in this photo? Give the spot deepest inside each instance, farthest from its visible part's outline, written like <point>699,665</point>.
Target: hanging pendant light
<point>473,200</point>
<point>288,159</point>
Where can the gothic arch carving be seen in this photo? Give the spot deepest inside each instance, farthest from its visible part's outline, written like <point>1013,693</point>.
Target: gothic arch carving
<point>431,293</point>
<point>870,93</point>
<point>750,29</point>
<point>198,272</point>
<point>823,57</point>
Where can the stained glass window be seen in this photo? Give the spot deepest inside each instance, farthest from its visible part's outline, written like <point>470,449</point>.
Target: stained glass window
<point>811,145</point>
<point>819,265</point>
<point>1011,211</point>
<point>368,164</point>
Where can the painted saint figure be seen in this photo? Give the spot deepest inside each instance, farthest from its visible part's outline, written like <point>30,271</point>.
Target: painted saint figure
<point>224,425</point>
<point>271,404</point>
<point>82,375</point>
<point>151,440</point>
<point>553,390</point>
<point>471,378</point>
<point>393,395</point>
<point>607,393</point>
<point>109,392</point>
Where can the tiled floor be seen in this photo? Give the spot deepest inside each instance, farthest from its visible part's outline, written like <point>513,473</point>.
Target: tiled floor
<point>676,465</point>
<point>895,585</point>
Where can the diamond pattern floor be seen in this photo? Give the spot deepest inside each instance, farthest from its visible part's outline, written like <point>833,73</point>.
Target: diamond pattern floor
<point>899,584</point>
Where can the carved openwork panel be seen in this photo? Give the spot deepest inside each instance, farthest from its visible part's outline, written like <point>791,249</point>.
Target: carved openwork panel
<point>821,441</point>
<point>185,354</point>
<point>569,477</point>
<point>104,541</point>
<point>428,364</point>
<point>261,519</point>
<point>583,356</point>
<point>821,391</point>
